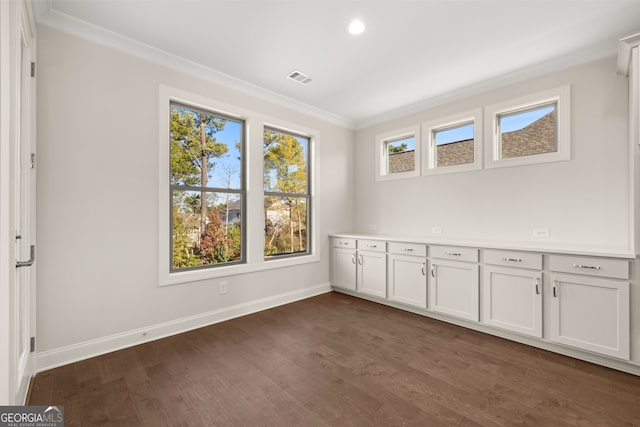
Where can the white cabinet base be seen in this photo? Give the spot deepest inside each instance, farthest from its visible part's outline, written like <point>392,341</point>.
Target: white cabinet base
<point>454,289</point>
<point>512,299</point>
<point>407,280</point>
<point>575,300</point>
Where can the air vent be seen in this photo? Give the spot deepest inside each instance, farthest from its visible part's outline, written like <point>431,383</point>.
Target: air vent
<point>300,77</point>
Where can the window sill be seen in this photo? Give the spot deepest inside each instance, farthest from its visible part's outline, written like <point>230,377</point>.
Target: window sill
<point>232,270</point>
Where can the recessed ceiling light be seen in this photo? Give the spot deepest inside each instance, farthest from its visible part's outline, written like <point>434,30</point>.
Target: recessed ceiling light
<point>356,27</point>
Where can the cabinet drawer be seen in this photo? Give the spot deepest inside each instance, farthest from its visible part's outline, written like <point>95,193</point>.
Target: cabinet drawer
<point>454,252</point>
<point>602,267</point>
<point>338,242</point>
<point>513,259</point>
<point>372,245</point>
<point>408,249</point>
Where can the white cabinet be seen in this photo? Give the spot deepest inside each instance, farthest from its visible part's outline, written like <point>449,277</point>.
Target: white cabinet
<point>454,287</point>
<point>407,274</point>
<point>372,268</point>
<point>589,312</point>
<point>343,263</point>
<point>512,299</point>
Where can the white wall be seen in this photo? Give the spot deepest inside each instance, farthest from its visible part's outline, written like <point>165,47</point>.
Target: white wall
<point>98,197</point>
<point>584,202</point>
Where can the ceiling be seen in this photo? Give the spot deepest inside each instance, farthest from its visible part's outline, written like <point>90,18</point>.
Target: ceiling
<point>411,53</point>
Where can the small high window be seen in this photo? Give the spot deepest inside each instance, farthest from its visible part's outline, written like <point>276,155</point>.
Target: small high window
<point>398,154</point>
<point>453,144</point>
<point>534,129</point>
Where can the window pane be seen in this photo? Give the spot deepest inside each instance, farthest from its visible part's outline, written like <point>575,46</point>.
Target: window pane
<point>206,149</point>
<point>285,225</point>
<point>285,162</point>
<point>206,235</point>
<point>400,155</point>
<point>454,145</point>
<point>528,132</point>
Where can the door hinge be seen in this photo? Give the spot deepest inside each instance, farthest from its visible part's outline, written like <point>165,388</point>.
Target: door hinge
<point>33,69</point>
<point>33,160</point>
<point>33,344</point>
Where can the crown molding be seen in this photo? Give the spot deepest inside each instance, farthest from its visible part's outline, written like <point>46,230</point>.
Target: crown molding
<point>593,53</point>
<point>49,17</point>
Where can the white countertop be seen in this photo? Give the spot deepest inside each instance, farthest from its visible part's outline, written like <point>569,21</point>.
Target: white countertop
<point>600,251</point>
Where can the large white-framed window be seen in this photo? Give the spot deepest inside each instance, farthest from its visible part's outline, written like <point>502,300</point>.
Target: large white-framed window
<point>233,190</point>
<point>529,130</point>
<point>398,154</point>
<point>452,144</point>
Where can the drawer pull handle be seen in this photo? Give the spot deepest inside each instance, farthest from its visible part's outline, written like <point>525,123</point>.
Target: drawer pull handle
<point>512,259</point>
<point>589,267</point>
<point>433,273</point>
<point>555,288</point>
<point>372,246</point>
<point>344,243</point>
<point>537,286</point>
<point>360,261</point>
<point>453,253</point>
<point>407,250</point>
<point>424,265</point>
<point>353,259</point>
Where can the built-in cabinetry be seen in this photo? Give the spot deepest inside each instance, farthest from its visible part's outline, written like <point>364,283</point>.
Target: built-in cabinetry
<point>577,302</point>
<point>512,291</point>
<point>407,274</point>
<point>590,304</point>
<point>371,277</point>
<point>343,263</point>
<point>454,286</point>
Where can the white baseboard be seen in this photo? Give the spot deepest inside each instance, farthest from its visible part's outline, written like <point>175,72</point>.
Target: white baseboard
<point>84,350</point>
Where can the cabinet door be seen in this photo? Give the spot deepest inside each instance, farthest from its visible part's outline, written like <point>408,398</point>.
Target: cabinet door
<point>454,289</point>
<point>372,273</point>
<point>344,268</point>
<point>590,313</point>
<point>512,299</point>
<point>407,279</point>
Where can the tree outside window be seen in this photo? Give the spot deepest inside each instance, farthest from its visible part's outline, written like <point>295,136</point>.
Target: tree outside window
<point>287,195</point>
<point>207,188</point>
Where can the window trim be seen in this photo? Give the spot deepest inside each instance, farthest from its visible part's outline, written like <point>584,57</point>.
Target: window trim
<point>561,96</point>
<point>429,148</point>
<point>254,204</point>
<point>382,155</point>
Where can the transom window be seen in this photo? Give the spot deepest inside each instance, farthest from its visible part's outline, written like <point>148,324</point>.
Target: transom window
<point>398,155</point>
<point>529,130</point>
<point>207,188</point>
<point>453,144</point>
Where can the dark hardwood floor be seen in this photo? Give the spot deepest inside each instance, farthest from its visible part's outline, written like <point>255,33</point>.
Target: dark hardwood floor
<point>338,360</point>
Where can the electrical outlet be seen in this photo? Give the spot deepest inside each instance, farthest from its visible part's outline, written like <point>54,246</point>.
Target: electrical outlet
<point>436,230</point>
<point>373,227</point>
<point>223,288</point>
<point>541,233</point>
